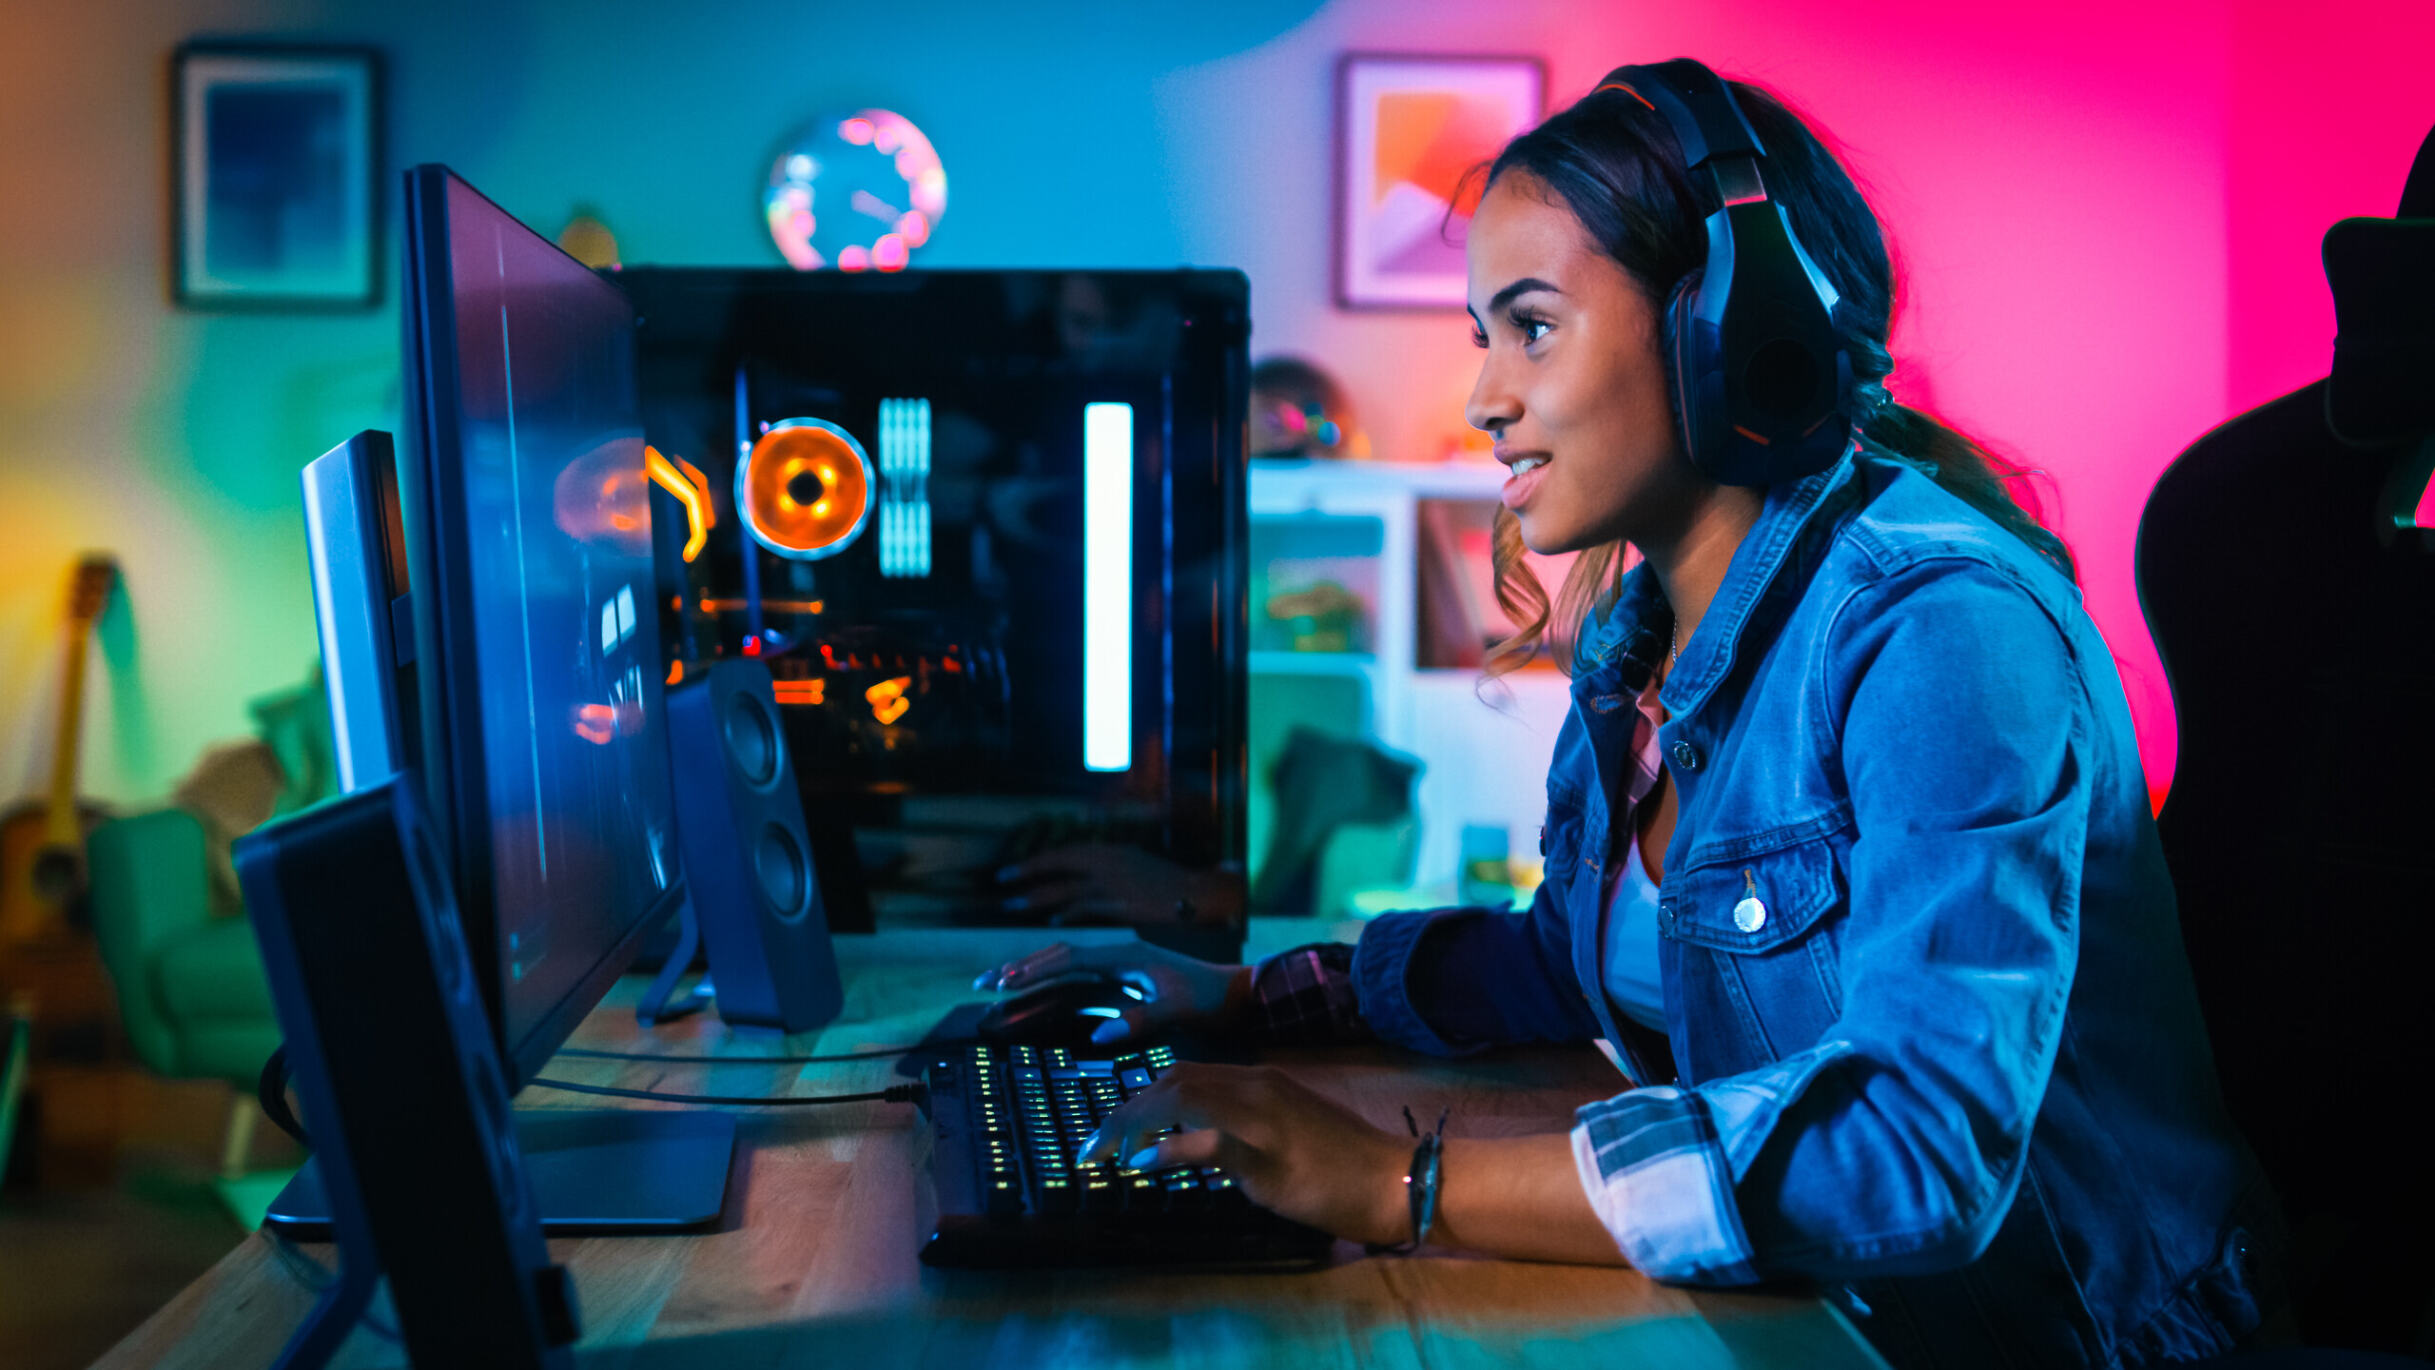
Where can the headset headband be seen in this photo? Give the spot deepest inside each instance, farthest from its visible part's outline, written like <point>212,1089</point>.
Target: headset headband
<point>1694,100</point>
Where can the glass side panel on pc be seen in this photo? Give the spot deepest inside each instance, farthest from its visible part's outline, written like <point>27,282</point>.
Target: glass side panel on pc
<point>986,528</point>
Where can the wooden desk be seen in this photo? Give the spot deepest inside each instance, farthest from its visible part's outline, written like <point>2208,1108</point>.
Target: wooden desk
<point>814,1264</point>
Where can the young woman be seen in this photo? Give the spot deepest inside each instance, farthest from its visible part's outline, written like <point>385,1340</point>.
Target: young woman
<point>1848,852</point>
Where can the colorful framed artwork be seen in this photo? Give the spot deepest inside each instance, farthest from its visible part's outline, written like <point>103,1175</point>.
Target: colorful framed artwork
<point>1408,129</point>
<point>277,177</point>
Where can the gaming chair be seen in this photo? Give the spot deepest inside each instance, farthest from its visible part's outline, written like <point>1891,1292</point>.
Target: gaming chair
<point>2294,605</point>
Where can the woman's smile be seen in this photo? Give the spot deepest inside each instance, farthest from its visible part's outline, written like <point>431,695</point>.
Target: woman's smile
<point>1527,472</point>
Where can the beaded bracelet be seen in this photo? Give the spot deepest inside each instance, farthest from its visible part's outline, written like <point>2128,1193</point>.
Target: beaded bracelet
<point>1420,1184</point>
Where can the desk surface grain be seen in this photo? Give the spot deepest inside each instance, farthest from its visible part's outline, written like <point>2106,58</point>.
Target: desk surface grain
<point>813,1263</point>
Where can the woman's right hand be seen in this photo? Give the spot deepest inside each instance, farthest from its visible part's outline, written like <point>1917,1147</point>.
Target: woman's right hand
<point>1178,993</point>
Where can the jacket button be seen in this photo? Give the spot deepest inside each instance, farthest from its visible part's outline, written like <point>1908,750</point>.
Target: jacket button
<point>1686,756</point>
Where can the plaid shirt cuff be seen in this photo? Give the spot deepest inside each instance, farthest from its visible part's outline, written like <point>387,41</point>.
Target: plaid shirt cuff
<point>1659,1165</point>
<point>1305,997</point>
<point>1658,1180</point>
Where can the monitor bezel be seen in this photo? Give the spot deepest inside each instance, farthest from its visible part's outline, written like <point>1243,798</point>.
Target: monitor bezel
<point>439,555</point>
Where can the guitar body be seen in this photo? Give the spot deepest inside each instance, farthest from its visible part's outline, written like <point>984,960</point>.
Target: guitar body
<point>42,882</point>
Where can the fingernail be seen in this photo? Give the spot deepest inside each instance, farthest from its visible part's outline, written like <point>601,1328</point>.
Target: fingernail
<point>981,981</point>
<point>1140,1160</point>
<point>1090,1143</point>
<point>1113,1030</point>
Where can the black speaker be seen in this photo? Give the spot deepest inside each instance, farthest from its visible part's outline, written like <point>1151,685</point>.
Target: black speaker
<point>749,866</point>
<point>401,1088</point>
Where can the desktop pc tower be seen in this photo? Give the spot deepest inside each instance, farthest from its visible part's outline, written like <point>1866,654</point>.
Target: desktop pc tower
<point>985,529</point>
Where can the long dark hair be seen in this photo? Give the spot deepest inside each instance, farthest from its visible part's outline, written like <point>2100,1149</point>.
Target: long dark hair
<point>1618,167</point>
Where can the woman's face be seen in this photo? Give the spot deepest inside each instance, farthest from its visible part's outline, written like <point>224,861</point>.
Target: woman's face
<point>1571,385</point>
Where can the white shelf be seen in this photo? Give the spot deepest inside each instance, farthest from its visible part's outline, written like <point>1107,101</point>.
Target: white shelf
<point>1486,750</point>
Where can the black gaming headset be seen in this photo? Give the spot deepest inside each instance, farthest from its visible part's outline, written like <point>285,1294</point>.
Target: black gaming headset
<point>1761,384</point>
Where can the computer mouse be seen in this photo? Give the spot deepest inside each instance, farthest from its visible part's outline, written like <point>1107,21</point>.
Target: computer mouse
<point>1061,1013</point>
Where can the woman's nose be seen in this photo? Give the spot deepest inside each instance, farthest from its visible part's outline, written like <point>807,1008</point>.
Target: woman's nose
<point>1491,405</point>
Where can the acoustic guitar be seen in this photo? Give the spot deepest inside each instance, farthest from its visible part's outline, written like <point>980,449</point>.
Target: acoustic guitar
<point>42,845</point>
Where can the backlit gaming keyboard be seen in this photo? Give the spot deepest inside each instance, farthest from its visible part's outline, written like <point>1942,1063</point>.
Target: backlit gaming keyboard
<point>1007,1122</point>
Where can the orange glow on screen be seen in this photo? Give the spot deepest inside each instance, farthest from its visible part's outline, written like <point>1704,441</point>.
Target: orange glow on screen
<point>596,724</point>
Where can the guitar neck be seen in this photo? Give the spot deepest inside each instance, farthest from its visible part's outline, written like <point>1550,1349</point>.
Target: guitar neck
<point>90,589</point>
<point>59,825</point>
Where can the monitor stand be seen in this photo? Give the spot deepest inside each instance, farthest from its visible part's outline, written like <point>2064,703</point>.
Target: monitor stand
<point>592,1171</point>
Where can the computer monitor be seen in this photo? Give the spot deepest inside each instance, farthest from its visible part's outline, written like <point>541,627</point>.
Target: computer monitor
<point>532,709</point>
<point>987,528</point>
<point>355,538</point>
<point>529,525</point>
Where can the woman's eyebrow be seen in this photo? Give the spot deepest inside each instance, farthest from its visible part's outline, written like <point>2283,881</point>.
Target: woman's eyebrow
<point>1521,287</point>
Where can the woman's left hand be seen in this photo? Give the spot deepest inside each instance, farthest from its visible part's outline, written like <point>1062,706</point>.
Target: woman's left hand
<point>1293,1150</point>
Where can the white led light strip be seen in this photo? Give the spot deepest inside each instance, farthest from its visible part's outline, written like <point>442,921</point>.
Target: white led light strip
<point>1107,587</point>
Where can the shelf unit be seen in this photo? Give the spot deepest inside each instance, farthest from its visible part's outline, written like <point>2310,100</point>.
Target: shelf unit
<point>1486,762</point>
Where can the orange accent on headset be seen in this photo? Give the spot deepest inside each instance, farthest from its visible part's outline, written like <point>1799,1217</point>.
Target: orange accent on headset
<point>676,672</point>
<point>690,490</point>
<point>1618,85</point>
<point>785,455</point>
<point>1750,435</point>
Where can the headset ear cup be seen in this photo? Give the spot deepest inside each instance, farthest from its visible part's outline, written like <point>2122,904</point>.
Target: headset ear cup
<point>1672,329</point>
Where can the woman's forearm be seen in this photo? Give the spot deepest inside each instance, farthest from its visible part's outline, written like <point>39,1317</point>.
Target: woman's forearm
<point>1519,1197</point>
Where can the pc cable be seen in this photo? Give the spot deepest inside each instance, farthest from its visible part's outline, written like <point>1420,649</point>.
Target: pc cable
<point>684,1058</point>
<point>1420,1186</point>
<point>909,1093</point>
<point>271,1091</point>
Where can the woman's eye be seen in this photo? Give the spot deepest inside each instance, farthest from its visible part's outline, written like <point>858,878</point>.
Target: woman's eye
<point>1478,338</point>
<point>1531,329</point>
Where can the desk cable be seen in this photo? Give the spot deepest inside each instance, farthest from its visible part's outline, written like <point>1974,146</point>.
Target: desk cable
<point>271,1092</point>
<point>894,1094</point>
<point>877,1054</point>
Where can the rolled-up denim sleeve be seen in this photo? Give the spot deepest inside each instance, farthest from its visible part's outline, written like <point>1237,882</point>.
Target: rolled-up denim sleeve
<point>1454,981</point>
<point>1894,1144</point>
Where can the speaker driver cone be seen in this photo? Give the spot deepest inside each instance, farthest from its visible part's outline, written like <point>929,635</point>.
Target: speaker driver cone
<point>752,740</point>
<point>786,878</point>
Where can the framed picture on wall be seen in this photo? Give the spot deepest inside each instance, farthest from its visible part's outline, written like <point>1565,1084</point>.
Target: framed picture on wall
<point>277,156</point>
<point>1408,129</point>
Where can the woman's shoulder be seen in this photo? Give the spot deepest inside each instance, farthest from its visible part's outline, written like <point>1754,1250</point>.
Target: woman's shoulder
<point>1899,523</point>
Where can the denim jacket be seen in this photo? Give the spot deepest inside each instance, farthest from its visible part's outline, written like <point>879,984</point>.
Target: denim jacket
<point>1950,1065</point>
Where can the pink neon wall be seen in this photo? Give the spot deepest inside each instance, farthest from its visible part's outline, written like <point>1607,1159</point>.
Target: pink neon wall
<point>2107,214</point>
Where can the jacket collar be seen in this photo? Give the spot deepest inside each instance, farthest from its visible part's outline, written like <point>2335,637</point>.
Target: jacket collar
<point>1632,629</point>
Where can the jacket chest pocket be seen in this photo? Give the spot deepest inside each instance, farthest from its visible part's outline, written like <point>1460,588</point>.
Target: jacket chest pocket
<point>1757,938</point>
